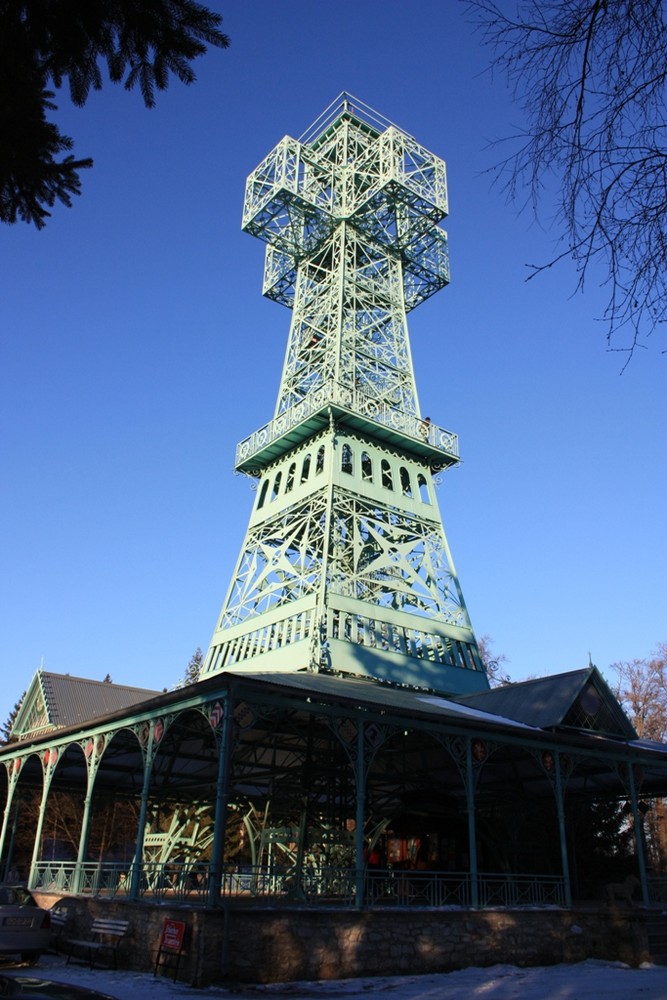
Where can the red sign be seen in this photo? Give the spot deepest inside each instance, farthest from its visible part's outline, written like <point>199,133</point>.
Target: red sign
<point>173,933</point>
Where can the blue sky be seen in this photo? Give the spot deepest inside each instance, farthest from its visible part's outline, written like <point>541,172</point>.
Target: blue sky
<point>136,350</point>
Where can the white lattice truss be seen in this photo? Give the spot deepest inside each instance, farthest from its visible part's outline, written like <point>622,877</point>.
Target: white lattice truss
<point>384,557</point>
<point>350,218</point>
<point>351,226</point>
<point>348,325</point>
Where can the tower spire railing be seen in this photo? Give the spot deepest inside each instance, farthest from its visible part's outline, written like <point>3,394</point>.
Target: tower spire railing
<point>352,105</point>
<point>256,450</point>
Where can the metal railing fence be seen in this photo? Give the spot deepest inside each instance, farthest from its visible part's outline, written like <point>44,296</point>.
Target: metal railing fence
<point>376,410</point>
<point>181,882</point>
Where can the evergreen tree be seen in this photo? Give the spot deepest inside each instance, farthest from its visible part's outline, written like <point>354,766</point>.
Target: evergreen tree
<point>6,731</point>
<point>193,668</point>
<point>602,843</point>
<point>49,43</point>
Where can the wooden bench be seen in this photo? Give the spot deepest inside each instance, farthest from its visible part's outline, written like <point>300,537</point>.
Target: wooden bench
<point>60,920</point>
<point>105,936</point>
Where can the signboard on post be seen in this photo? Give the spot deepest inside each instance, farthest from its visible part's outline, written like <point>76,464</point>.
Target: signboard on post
<point>173,934</point>
<point>171,946</point>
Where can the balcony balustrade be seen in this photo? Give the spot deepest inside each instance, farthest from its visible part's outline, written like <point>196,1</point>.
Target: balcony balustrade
<point>441,444</point>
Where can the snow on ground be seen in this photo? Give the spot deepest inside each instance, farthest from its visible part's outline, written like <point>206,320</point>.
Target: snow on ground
<point>591,980</point>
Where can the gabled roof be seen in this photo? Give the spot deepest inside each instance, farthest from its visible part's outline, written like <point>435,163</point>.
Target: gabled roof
<point>369,691</point>
<point>580,699</point>
<point>54,701</point>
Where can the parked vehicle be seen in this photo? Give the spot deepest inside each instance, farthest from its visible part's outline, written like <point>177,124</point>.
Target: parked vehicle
<point>25,928</point>
<point>45,989</point>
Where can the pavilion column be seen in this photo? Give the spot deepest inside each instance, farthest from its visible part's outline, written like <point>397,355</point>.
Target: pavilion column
<point>38,831</point>
<point>303,820</point>
<point>12,837</point>
<point>11,787</point>
<point>638,824</point>
<point>221,800</point>
<point>37,843</point>
<point>360,776</point>
<point>78,879</point>
<point>472,830</point>
<point>560,806</point>
<point>137,864</point>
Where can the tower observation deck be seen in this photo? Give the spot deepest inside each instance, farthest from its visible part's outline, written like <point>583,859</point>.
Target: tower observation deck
<point>345,567</point>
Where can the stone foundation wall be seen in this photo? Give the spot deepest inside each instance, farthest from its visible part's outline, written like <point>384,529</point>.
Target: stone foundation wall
<point>241,944</point>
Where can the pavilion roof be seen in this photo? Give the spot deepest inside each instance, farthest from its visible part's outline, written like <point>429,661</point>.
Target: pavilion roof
<point>56,701</point>
<point>579,699</point>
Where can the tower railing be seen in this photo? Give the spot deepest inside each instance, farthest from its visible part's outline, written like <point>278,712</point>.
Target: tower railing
<point>311,883</point>
<point>358,403</point>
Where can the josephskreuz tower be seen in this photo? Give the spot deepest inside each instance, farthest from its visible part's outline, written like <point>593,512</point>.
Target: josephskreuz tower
<point>345,566</point>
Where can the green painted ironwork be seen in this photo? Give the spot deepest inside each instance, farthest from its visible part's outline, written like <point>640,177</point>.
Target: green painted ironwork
<point>345,566</point>
<point>345,569</point>
<point>326,885</point>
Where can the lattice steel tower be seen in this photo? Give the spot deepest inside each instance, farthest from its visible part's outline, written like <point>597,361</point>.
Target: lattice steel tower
<point>345,567</point>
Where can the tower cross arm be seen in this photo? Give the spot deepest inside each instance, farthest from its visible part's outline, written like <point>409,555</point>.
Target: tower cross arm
<point>289,198</point>
<point>399,166</point>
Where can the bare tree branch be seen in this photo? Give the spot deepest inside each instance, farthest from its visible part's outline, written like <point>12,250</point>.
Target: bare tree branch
<point>591,79</point>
